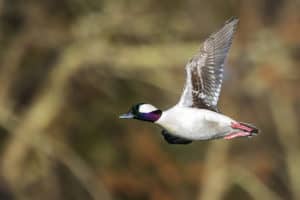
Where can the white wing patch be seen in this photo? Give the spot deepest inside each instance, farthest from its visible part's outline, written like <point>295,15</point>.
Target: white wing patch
<point>147,108</point>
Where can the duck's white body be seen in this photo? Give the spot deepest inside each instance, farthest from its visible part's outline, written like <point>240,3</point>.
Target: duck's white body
<point>194,123</point>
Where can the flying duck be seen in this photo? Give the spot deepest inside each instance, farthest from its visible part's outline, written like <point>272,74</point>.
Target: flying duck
<point>196,116</point>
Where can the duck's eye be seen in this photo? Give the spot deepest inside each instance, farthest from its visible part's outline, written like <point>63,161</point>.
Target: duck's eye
<point>135,109</point>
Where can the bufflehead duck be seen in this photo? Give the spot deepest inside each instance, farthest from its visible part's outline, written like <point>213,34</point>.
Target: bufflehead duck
<point>195,116</point>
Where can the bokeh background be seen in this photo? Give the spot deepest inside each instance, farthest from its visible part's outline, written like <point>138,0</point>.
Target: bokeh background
<point>68,68</point>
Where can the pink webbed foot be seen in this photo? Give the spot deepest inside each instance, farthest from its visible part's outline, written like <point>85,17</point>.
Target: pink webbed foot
<point>242,127</point>
<point>242,130</point>
<point>237,134</point>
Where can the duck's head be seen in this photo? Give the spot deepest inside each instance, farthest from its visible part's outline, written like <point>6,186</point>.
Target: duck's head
<point>143,111</point>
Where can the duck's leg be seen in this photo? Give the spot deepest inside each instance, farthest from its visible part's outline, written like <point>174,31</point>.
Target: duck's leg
<point>244,127</point>
<point>171,139</point>
<point>237,134</point>
<point>242,130</point>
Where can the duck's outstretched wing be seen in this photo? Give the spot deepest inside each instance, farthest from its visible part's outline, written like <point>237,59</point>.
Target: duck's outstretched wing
<point>204,72</point>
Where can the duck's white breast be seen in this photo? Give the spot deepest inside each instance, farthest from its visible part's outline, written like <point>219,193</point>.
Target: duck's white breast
<point>195,124</point>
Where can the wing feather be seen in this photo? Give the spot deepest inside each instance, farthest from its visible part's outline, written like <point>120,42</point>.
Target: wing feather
<point>204,72</point>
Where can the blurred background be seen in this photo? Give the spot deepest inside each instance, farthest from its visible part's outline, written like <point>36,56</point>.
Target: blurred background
<point>68,68</point>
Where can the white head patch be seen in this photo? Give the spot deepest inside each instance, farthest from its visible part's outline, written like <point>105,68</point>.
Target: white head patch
<point>146,108</point>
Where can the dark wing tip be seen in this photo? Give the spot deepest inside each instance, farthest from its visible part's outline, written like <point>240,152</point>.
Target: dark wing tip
<point>226,32</point>
<point>231,24</point>
<point>233,20</point>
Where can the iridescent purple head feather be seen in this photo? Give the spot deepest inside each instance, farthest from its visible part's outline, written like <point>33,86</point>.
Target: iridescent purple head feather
<point>144,112</point>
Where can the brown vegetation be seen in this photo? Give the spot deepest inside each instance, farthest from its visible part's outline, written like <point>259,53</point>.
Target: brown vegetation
<point>68,68</point>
